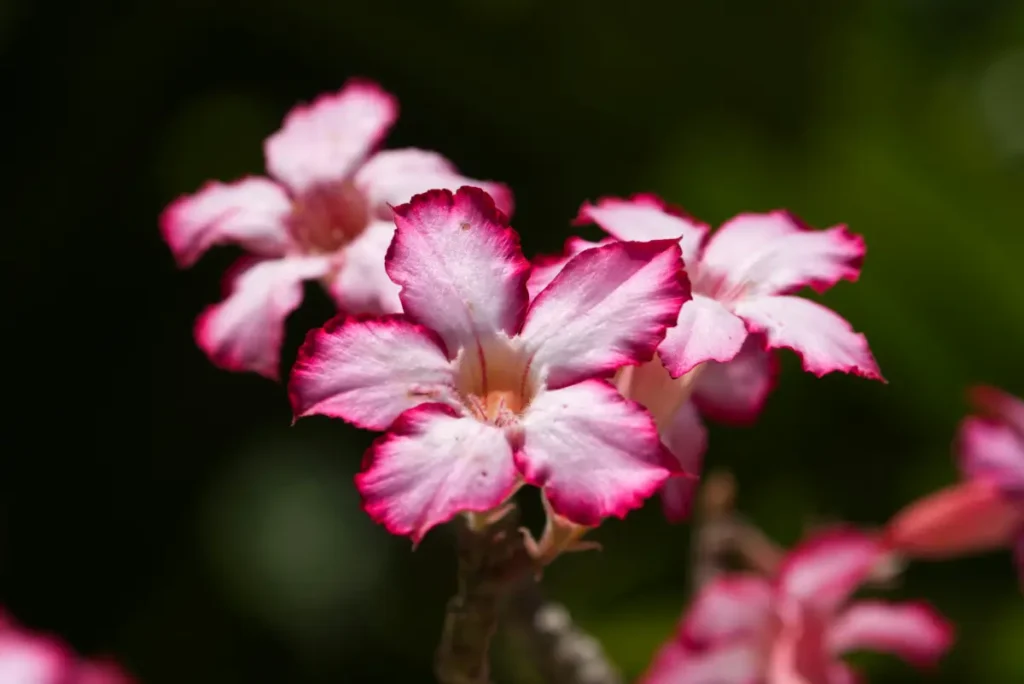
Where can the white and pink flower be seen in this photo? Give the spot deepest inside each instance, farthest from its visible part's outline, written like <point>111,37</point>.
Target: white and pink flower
<point>324,214</point>
<point>793,629</point>
<point>481,390</point>
<point>27,658</point>
<point>718,361</point>
<point>986,510</point>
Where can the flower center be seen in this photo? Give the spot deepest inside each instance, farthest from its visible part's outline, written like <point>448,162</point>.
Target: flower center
<point>495,382</point>
<point>717,286</point>
<point>327,217</point>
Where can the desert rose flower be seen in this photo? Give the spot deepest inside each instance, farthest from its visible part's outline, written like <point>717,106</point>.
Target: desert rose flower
<point>323,214</point>
<point>792,629</point>
<point>27,658</point>
<point>719,360</point>
<point>986,510</point>
<point>480,390</point>
<point>743,278</point>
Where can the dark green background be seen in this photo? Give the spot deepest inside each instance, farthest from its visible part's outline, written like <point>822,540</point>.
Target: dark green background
<point>157,508</point>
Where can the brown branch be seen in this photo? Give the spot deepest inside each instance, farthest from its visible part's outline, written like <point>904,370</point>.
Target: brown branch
<point>492,561</point>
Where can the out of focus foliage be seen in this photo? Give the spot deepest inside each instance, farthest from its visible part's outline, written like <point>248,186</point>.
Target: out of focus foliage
<point>162,510</point>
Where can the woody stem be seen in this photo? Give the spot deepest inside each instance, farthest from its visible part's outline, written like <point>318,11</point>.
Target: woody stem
<point>492,560</point>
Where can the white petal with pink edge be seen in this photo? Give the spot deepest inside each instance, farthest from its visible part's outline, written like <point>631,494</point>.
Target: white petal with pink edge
<point>825,569</point>
<point>543,269</point>
<point>361,284</point>
<point>735,392</point>
<point>250,212</point>
<point>459,265</point>
<point>912,631</point>
<point>433,464</point>
<point>776,253</point>
<point>593,452</point>
<point>30,659</point>
<point>609,307</point>
<point>733,663</point>
<point>370,371</point>
<point>244,332</point>
<point>646,217</point>
<point>994,451</point>
<point>822,338</point>
<point>728,607</point>
<point>686,439</point>
<point>706,331</point>
<point>327,139</point>
<point>393,177</point>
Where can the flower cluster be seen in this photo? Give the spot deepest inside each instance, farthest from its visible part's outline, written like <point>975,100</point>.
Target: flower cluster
<point>28,658</point>
<point>585,374</point>
<point>793,627</point>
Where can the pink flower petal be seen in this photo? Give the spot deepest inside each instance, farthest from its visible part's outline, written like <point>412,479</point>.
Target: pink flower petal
<point>823,339</point>
<point>734,663</point>
<point>994,451</point>
<point>250,212</point>
<point>999,405</point>
<point>361,284</point>
<point>912,631</point>
<point>393,177</point>
<point>432,465</point>
<point>824,570</point>
<point>706,331</point>
<point>646,217</point>
<point>776,253</point>
<point>369,371</point>
<point>687,439</point>
<point>244,332</point>
<point>729,607</point>
<point>30,659</point>
<point>544,268</point>
<point>609,307</point>
<point>459,265</point>
<point>595,453</point>
<point>735,392</point>
<point>966,518</point>
<point>328,139</point>
<point>799,654</point>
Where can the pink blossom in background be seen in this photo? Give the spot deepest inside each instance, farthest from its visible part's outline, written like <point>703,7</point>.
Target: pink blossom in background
<point>793,628</point>
<point>481,390</point>
<point>744,277</point>
<point>27,658</point>
<point>742,308</point>
<point>986,510</point>
<point>323,214</point>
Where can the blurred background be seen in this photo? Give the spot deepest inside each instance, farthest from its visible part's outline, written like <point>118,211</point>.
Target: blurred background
<point>163,511</point>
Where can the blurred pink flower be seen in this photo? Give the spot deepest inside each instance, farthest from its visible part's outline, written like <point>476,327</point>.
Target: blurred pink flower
<point>744,629</point>
<point>481,390</point>
<point>986,510</point>
<point>719,361</point>
<point>323,215</point>
<point>27,658</point>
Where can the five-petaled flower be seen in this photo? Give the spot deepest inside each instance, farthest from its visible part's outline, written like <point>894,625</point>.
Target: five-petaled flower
<point>325,216</point>
<point>481,390</point>
<point>27,658</point>
<point>719,355</point>
<point>986,510</point>
<point>746,629</point>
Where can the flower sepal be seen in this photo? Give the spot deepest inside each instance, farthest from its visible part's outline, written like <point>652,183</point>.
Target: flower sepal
<point>560,535</point>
